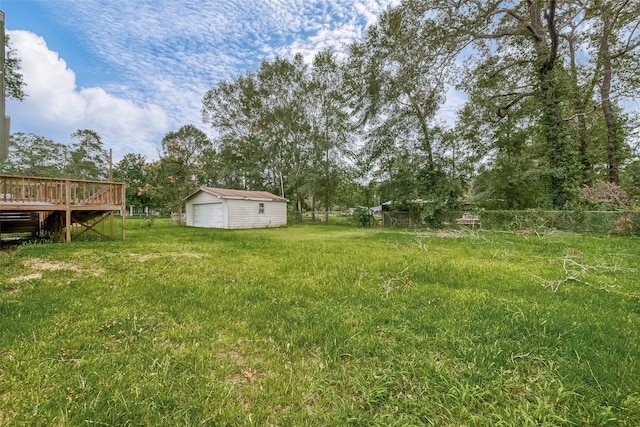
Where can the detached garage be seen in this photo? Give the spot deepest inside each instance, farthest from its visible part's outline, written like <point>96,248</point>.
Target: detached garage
<point>222,208</point>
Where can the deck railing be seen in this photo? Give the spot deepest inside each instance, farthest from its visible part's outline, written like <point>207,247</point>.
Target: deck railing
<point>59,191</point>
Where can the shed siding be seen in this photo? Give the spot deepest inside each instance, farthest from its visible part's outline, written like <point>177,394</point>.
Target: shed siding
<point>245,214</point>
<point>204,209</point>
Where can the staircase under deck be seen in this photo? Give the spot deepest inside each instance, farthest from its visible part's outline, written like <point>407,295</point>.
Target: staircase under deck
<point>53,207</point>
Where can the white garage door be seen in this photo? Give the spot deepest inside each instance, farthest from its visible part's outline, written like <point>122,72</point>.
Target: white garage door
<point>208,215</point>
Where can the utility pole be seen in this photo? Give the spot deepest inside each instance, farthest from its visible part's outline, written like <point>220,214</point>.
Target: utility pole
<point>4,120</point>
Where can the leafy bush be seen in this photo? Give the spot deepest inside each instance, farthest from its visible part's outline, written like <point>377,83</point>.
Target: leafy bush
<point>362,217</point>
<point>615,222</point>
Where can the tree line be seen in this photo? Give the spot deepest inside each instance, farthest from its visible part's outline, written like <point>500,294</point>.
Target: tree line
<point>546,122</point>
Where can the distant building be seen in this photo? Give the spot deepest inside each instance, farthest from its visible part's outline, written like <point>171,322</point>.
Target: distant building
<point>223,208</point>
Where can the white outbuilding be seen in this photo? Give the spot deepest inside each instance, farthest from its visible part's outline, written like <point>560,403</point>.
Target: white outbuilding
<point>223,208</point>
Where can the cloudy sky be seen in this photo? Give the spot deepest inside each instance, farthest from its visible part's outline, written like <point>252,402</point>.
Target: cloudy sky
<point>133,70</point>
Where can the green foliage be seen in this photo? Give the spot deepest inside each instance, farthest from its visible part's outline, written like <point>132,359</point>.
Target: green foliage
<point>320,326</point>
<point>179,171</point>
<point>284,129</point>
<point>396,80</point>
<point>526,72</point>
<point>509,184</point>
<point>630,181</point>
<point>545,83</point>
<point>132,169</point>
<point>34,155</point>
<point>87,158</point>
<point>577,221</point>
<point>14,83</point>
<point>362,217</point>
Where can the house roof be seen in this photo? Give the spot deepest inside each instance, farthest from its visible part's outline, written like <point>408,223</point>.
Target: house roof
<point>225,193</point>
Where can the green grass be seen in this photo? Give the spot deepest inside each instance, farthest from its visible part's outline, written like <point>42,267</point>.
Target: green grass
<point>321,325</point>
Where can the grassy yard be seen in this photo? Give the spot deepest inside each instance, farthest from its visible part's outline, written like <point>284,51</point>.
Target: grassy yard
<point>321,325</point>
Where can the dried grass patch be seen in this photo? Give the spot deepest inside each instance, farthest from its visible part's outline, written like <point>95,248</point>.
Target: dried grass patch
<point>148,257</point>
<point>20,279</point>
<point>40,265</point>
<point>444,234</point>
<point>144,257</point>
<point>46,265</point>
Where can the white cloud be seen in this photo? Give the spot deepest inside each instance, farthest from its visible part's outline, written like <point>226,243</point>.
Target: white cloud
<point>166,55</point>
<point>55,107</point>
<point>448,112</point>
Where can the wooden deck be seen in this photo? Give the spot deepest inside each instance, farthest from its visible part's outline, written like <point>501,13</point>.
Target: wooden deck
<point>54,207</point>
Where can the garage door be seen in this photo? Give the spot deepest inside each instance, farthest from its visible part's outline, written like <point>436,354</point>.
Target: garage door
<point>208,215</point>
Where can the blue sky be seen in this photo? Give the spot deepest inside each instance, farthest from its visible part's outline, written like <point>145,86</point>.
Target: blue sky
<point>133,70</point>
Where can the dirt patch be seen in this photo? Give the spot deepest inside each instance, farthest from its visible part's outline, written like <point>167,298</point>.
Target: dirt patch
<point>20,279</point>
<point>40,265</point>
<point>245,376</point>
<point>145,257</point>
<point>46,265</point>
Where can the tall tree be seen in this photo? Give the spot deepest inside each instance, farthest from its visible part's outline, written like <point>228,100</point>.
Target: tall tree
<point>233,109</point>
<point>398,77</point>
<point>618,54</point>
<point>87,157</point>
<point>283,128</point>
<point>582,82</point>
<point>330,129</point>
<point>179,170</point>
<point>516,57</point>
<point>34,155</point>
<point>263,126</point>
<point>132,170</point>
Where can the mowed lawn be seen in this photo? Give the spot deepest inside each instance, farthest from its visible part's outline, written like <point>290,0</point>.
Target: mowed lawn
<point>322,326</point>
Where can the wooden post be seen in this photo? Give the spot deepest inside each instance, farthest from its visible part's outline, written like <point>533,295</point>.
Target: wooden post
<point>111,225</point>
<point>68,212</point>
<point>68,226</point>
<point>123,210</point>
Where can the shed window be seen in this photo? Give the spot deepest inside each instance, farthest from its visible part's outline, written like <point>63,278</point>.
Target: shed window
<point>261,208</point>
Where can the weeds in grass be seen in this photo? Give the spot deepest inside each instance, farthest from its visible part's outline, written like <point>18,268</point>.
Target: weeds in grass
<point>575,272</point>
<point>396,282</point>
<point>320,326</point>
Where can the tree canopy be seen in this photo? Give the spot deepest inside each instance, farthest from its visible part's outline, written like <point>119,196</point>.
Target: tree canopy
<point>545,122</point>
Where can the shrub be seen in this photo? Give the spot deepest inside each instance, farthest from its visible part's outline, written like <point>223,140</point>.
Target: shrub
<point>362,217</point>
<point>616,222</point>
<point>605,195</point>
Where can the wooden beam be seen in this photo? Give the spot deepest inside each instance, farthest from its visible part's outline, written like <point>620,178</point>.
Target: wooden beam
<point>123,210</point>
<point>91,227</point>
<point>124,225</point>
<point>68,226</point>
<point>111,224</point>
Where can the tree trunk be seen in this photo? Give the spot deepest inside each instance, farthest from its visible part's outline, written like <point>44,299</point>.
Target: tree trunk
<point>559,153</point>
<point>580,98</point>
<point>179,212</point>
<point>613,135</point>
<point>558,149</point>
<point>326,208</point>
